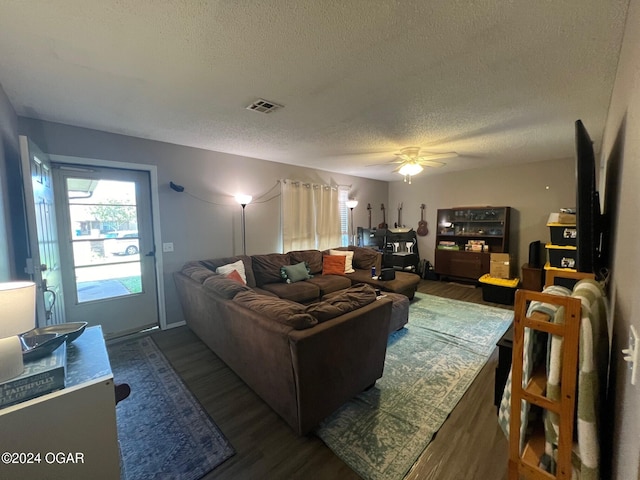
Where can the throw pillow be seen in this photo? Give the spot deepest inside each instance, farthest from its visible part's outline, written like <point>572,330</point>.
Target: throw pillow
<point>295,273</point>
<point>348,264</point>
<point>333,264</point>
<point>227,269</point>
<point>234,275</point>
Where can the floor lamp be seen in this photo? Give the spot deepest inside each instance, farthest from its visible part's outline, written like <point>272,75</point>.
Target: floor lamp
<point>351,204</point>
<point>243,200</point>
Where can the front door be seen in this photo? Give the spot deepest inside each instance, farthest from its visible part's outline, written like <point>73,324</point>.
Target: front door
<point>44,258</point>
<point>107,247</point>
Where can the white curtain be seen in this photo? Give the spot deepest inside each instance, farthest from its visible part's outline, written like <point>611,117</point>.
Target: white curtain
<point>327,208</point>
<point>310,216</point>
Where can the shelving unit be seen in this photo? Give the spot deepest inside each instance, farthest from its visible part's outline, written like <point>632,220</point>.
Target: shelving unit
<point>525,465</point>
<point>460,226</point>
<point>561,250</point>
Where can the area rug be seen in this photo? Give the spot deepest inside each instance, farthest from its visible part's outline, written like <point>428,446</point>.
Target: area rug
<point>163,430</point>
<point>429,366</point>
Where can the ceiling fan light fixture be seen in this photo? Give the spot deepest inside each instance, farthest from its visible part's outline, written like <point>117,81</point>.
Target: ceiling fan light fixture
<point>410,169</point>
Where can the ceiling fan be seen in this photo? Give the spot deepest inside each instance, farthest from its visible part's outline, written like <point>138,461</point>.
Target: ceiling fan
<point>412,163</point>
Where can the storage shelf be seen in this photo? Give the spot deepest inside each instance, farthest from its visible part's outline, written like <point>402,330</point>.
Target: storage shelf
<point>461,225</point>
<point>525,464</point>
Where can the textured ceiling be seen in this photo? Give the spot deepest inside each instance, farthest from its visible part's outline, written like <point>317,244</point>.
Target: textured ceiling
<point>496,81</point>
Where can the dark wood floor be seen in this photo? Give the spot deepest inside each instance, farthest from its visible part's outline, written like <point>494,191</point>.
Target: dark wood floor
<point>470,445</point>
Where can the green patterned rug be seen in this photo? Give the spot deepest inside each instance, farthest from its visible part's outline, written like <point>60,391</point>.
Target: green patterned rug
<point>429,366</point>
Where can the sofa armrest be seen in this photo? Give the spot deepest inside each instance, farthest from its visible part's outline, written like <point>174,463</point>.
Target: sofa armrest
<point>337,359</point>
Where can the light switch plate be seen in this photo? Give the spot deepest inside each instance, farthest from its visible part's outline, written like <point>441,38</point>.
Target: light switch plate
<point>167,247</point>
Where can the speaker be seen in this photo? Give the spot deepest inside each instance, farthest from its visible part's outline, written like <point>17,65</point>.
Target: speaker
<point>534,254</point>
<point>387,274</point>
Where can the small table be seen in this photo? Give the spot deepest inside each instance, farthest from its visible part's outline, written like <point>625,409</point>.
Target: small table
<point>74,429</point>
<point>532,278</point>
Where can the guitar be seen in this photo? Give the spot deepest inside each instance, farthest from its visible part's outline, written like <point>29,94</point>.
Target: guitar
<point>384,220</point>
<point>422,225</point>
<point>369,209</point>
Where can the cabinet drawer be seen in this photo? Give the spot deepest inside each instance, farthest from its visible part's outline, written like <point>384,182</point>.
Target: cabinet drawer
<point>461,264</point>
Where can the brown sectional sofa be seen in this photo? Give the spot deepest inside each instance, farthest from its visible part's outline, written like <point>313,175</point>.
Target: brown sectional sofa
<point>263,274</point>
<point>305,347</point>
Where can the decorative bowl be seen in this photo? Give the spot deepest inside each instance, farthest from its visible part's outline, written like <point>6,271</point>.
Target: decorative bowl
<point>37,346</point>
<point>72,330</point>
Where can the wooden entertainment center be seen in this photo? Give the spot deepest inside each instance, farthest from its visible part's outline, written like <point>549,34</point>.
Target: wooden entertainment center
<point>466,237</point>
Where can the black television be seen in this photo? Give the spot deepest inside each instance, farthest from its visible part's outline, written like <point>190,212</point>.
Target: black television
<point>588,217</point>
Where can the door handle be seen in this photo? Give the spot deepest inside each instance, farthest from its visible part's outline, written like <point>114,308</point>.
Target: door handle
<point>152,253</point>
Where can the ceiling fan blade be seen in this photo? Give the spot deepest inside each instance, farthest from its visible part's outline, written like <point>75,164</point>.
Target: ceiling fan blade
<point>434,156</point>
<point>431,163</point>
<point>390,162</point>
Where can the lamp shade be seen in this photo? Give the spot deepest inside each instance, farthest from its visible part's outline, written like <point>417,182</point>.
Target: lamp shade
<point>351,203</point>
<point>243,199</point>
<point>17,308</point>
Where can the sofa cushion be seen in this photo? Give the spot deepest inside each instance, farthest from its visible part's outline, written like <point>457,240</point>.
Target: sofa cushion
<point>348,264</point>
<point>212,264</point>
<point>295,273</point>
<point>330,283</point>
<point>278,309</point>
<point>302,292</point>
<point>333,264</point>
<point>238,266</point>
<point>266,268</point>
<point>365,258</point>
<point>405,282</point>
<point>197,272</point>
<point>312,257</point>
<point>224,286</point>
<point>346,301</point>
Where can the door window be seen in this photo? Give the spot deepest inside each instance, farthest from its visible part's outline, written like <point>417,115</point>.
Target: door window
<point>104,235</point>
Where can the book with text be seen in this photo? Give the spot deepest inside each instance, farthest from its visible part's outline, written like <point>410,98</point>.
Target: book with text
<point>40,376</point>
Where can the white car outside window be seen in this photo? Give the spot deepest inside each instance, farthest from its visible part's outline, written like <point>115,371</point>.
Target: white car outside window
<point>124,242</point>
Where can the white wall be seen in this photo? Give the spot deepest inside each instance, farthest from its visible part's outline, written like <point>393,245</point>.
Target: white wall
<point>532,190</point>
<point>621,153</point>
<point>209,225</point>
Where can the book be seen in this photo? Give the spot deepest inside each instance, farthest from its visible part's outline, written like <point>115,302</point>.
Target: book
<point>40,377</point>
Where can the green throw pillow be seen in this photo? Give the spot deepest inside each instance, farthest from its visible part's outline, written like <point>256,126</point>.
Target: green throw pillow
<point>295,273</point>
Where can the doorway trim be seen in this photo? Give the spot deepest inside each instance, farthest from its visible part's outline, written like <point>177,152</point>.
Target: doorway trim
<point>155,213</point>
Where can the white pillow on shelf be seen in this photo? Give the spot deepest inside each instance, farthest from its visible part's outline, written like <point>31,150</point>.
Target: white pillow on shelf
<point>230,267</point>
<point>348,262</point>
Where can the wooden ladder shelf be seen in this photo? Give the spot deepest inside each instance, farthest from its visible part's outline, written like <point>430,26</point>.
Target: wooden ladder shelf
<point>526,465</point>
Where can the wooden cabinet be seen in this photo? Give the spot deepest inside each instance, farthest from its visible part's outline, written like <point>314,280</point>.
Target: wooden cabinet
<point>452,263</point>
<point>70,433</point>
<point>466,237</point>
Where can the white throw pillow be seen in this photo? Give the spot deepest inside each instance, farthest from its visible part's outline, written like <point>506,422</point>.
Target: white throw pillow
<point>230,267</point>
<point>348,262</point>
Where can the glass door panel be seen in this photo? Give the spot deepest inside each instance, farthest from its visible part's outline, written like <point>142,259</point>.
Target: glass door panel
<point>104,236</point>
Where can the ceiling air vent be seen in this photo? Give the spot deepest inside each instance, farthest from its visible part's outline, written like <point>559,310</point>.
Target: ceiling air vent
<point>263,106</point>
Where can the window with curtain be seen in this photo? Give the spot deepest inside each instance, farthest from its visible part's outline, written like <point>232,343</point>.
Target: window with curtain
<point>311,216</point>
<point>343,196</point>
